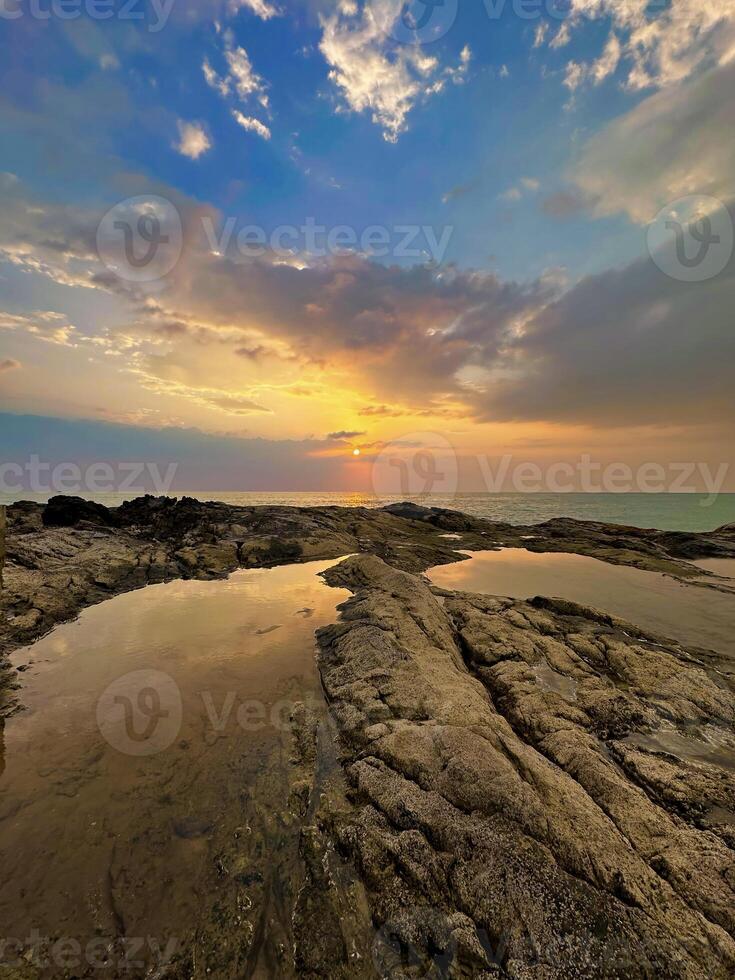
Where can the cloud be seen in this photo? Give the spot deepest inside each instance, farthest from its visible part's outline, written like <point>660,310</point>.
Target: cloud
<point>240,79</point>
<point>658,47</point>
<point>461,190</point>
<point>562,37</point>
<point>251,124</point>
<point>59,241</point>
<point>261,8</point>
<point>608,61</point>
<point>526,185</point>
<point>205,463</point>
<point>605,66</point>
<point>671,145</point>
<point>234,404</point>
<point>221,85</point>
<point>45,324</point>
<point>374,73</point>
<point>563,204</point>
<point>574,75</point>
<point>339,436</point>
<point>435,410</point>
<point>9,364</point>
<point>193,140</point>
<point>627,347</point>
<point>246,81</point>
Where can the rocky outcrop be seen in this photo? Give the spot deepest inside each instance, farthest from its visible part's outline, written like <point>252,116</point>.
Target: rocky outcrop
<point>516,812</point>
<point>72,553</point>
<point>645,548</point>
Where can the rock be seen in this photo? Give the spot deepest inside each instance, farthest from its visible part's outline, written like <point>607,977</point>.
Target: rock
<point>65,511</point>
<point>480,794</point>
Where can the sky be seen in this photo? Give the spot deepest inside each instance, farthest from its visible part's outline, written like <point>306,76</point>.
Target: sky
<point>272,240</point>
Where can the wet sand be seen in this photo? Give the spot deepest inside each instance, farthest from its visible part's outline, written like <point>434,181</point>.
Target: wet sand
<point>147,789</point>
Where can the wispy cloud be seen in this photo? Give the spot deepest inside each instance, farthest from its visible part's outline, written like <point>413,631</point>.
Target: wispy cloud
<point>240,78</point>
<point>261,8</point>
<point>47,325</point>
<point>654,50</point>
<point>670,145</point>
<point>344,434</point>
<point>526,185</point>
<point>251,124</point>
<point>240,81</point>
<point>374,74</point>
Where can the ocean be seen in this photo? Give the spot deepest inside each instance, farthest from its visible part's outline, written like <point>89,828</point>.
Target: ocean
<point>667,511</point>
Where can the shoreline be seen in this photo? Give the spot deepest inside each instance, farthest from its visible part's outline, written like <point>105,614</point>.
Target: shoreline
<point>96,552</point>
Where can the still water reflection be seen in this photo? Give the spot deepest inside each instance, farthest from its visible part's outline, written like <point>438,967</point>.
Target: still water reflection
<point>693,615</point>
<point>145,790</point>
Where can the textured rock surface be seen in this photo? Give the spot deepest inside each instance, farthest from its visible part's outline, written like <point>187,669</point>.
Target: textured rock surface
<point>489,746</point>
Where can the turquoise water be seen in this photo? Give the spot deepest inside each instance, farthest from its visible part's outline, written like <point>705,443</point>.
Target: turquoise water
<point>668,511</point>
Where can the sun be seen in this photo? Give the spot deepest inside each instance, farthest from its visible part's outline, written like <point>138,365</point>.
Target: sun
<point>355,452</point>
